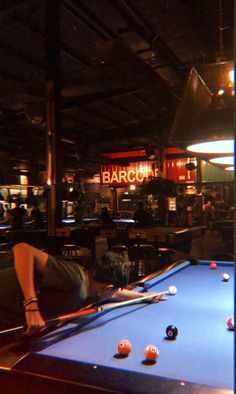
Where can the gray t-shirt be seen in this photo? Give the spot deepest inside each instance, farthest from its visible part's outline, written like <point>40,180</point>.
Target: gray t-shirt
<point>63,288</point>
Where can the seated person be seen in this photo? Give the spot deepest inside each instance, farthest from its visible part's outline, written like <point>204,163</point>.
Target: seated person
<point>105,218</point>
<point>17,215</point>
<point>35,216</point>
<point>141,217</point>
<point>41,286</point>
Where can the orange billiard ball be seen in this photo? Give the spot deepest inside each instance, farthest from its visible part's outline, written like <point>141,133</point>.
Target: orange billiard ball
<point>213,265</point>
<point>151,353</point>
<point>230,322</point>
<point>124,347</point>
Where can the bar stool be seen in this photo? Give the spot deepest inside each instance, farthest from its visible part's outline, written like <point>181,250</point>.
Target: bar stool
<point>142,254</point>
<point>73,252</point>
<point>165,255</point>
<point>123,251</point>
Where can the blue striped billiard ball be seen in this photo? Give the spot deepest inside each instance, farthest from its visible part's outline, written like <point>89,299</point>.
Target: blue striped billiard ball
<point>171,332</point>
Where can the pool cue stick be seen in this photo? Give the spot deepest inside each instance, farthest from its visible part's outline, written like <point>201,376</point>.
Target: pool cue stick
<point>69,317</point>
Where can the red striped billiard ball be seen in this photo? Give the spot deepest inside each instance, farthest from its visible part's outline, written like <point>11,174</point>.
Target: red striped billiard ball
<point>151,353</point>
<point>124,347</point>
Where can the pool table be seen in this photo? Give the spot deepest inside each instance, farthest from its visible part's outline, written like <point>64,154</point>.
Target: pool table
<point>83,355</point>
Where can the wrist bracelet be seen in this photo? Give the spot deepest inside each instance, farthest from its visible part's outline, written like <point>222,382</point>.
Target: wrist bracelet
<point>30,300</point>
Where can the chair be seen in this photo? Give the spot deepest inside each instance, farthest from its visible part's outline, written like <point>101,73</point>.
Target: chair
<point>144,257</point>
<point>110,234</point>
<point>123,251</point>
<point>165,255</point>
<point>73,252</point>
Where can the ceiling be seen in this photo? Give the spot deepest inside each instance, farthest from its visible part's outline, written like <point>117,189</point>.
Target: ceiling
<point>124,66</point>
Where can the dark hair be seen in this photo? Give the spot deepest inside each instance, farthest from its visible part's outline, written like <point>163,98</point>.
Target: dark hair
<point>111,268</point>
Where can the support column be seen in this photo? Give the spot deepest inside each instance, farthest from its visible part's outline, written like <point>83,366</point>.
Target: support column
<point>162,199</point>
<point>53,113</point>
<point>114,199</point>
<point>199,189</point>
<point>161,162</point>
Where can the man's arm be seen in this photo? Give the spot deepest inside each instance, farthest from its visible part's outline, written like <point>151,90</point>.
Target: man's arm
<point>26,258</point>
<point>125,295</point>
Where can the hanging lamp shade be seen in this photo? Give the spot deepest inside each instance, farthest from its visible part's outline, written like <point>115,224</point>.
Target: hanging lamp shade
<point>206,111</point>
<point>225,160</point>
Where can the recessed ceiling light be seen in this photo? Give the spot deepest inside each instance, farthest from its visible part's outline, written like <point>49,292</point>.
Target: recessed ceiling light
<point>222,146</point>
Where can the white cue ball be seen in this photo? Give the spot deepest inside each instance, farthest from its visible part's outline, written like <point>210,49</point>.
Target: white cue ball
<point>172,290</point>
<point>225,277</point>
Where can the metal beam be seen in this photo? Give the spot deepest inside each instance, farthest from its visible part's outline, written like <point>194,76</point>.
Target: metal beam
<point>6,47</point>
<point>81,59</point>
<point>6,9</point>
<point>97,24</point>
<point>97,21</point>
<point>70,102</point>
<point>144,30</point>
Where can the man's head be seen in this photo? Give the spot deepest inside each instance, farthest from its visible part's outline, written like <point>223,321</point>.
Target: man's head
<point>111,268</point>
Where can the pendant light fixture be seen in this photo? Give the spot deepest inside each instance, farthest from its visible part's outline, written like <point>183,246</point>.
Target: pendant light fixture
<point>204,122</point>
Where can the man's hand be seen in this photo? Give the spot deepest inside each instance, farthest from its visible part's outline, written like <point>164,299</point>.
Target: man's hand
<point>35,322</point>
<point>157,298</point>
<point>125,295</point>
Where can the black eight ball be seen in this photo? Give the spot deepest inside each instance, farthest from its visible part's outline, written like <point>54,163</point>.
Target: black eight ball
<point>171,332</point>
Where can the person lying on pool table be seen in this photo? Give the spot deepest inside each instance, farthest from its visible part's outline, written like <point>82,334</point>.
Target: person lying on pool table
<point>41,286</point>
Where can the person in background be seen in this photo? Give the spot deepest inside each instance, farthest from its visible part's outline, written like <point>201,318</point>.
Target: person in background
<point>40,286</point>
<point>79,210</point>
<point>7,212</point>
<point>141,217</point>
<point>2,212</point>
<point>36,217</point>
<point>189,214</point>
<point>208,213</point>
<point>181,211</point>
<point>105,218</point>
<point>17,215</point>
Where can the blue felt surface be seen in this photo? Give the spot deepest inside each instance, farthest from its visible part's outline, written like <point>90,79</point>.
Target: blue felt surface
<point>203,351</point>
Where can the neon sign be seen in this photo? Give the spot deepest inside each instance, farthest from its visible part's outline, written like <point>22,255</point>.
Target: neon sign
<point>136,173</point>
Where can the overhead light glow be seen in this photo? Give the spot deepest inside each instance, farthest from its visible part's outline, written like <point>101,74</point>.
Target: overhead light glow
<point>231,76</point>
<point>222,146</point>
<point>223,160</point>
<point>229,168</point>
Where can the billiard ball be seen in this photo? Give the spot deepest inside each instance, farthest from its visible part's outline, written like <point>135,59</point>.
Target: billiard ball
<point>230,322</point>
<point>171,332</point>
<point>213,265</point>
<point>172,290</point>
<point>124,347</point>
<point>225,277</point>
<point>151,353</point>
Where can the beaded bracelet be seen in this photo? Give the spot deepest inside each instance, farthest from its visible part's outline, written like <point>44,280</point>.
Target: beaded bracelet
<point>29,301</point>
